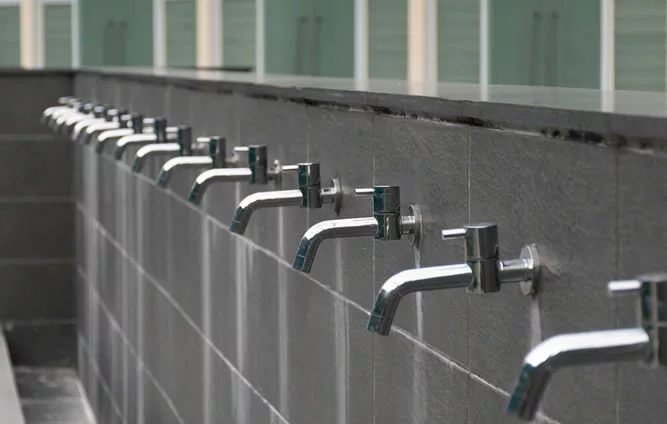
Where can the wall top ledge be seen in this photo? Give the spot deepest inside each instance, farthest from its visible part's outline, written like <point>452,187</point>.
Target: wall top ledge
<point>617,118</point>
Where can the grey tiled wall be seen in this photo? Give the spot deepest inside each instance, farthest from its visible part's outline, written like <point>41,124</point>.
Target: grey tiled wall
<point>181,321</point>
<point>37,296</point>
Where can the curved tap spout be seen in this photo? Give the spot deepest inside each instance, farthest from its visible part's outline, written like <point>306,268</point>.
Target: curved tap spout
<point>111,135</point>
<point>410,281</point>
<point>94,129</point>
<point>152,150</point>
<point>594,347</point>
<point>52,120</point>
<point>75,130</point>
<point>225,175</point>
<point>139,140</point>
<point>183,162</point>
<point>337,228</point>
<point>267,199</point>
<point>66,120</point>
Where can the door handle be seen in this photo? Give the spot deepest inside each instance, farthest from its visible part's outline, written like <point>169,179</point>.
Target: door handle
<point>534,44</point>
<point>552,59</point>
<point>301,22</point>
<point>317,32</point>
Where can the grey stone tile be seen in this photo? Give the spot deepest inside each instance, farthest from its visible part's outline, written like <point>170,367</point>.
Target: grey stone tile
<point>107,195</point>
<point>325,365</point>
<point>186,390</point>
<point>343,142</point>
<point>43,168</point>
<point>37,230</point>
<point>429,389</point>
<point>220,290</point>
<point>439,155</point>
<point>150,99</point>
<point>116,382</point>
<point>178,103</point>
<point>641,249</point>
<point>214,114</point>
<point>48,344</point>
<point>486,405</point>
<point>156,234</point>
<point>130,305</point>
<point>36,383</point>
<point>185,257</point>
<point>156,406</point>
<point>233,401</point>
<point>560,195</point>
<point>30,96</point>
<point>159,344</point>
<point>37,291</point>
<point>130,402</point>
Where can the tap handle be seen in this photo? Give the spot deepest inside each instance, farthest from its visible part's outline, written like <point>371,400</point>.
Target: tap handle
<point>65,100</point>
<point>364,191</point>
<point>217,150</point>
<point>86,107</point>
<point>160,129</point>
<point>184,134</point>
<point>650,292</point>
<point>241,149</point>
<point>289,168</point>
<point>310,184</point>
<point>137,123</point>
<point>481,240</point>
<point>99,111</point>
<point>125,120</point>
<point>258,164</point>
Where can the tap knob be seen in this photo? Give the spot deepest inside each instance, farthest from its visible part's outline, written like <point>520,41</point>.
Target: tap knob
<point>160,129</point>
<point>481,240</point>
<point>184,137</point>
<point>99,111</point>
<point>650,292</point>
<point>217,150</point>
<point>386,210</point>
<point>137,123</point>
<point>310,185</point>
<point>125,120</point>
<point>258,164</point>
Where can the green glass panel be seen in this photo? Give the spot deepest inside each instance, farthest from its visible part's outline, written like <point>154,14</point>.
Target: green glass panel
<point>238,23</point>
<point>287,36</point>
<point>57,35</point>
<point>388,38</point>
<point>641,35</point>
<point>10,33</point>
<point>136,32</point>
<point>458,41</point>
<point>333,35</point>
<point>573,44</point>
<point>98,32</point>
<point>181,32</point>
<point>515,42</point>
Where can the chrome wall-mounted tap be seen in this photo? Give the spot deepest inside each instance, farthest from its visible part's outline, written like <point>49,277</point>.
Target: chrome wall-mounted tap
<point>98,115</point>
<point>257,172</point>
<point>646,343</point>
<point>483,272</point>
<point>310,194</point>
<point>65,104</point>
<point>136,124</point>
<point>216,158</point>
<point>387,223</point>
<point>59,122</point>
<point>161,134</point>
<point>113,119</point>
<point>183,147</point>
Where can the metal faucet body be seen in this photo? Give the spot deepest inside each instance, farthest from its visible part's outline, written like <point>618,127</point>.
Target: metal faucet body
<point>217,148</point>
<point>646,343</point>
<point>183,147</point>
<point>483,272</point>
<point>310,194</point>
<point>74,128</point>
<point>387,223</point>
<point>64,104</point>
<point>257,172</point>
<point>136,124</point>
<point>161,134</point>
